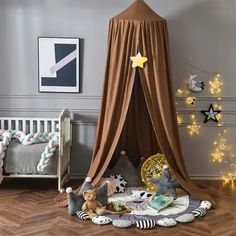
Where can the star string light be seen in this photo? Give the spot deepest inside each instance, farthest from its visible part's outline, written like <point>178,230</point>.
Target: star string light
<point>219,116</point>
<point>217,155</point>
<point>193,128</point>
<point>179,119</point>
<point>221,148</point>
<point>180,92</point>
<point>215,85</point>
<point>222,152</point>
<point>230,177</point>
<point>190,100</point>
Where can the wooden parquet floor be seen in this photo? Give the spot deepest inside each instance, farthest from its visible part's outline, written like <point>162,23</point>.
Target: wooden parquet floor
<point>27,207</point>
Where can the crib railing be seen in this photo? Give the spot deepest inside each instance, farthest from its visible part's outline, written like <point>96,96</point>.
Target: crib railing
<point>62,125</point>
<point>29,125</point>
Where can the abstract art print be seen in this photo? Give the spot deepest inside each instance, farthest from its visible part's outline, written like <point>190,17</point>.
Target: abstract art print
<point>58,64</point>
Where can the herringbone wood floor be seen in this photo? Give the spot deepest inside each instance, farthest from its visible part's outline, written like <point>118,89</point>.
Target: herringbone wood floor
<point>27,207</point>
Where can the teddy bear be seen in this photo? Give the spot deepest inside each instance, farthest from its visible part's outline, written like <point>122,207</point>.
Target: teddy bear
<point>76,200</point>
<point>91,206</point>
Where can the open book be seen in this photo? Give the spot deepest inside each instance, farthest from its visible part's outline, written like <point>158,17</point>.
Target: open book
<point>160,202</point>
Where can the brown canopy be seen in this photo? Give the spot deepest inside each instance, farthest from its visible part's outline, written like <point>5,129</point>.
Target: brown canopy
<point>138,109</point>
<point>139,29</point>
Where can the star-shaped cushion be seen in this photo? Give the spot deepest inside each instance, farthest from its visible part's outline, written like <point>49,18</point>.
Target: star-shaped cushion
<point>165,184</point>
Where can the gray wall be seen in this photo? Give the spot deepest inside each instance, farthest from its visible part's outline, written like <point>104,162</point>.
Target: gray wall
<point>202,32</point>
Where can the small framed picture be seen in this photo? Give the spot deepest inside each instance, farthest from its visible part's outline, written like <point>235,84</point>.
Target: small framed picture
<point>58,64</point>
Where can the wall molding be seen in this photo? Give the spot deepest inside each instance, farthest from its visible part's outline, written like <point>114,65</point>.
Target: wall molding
<point>207,98</point>
<point>95,113</point>
<point>52,96</point>
<point>31,109</point>
<point>92,96</point>
<point>210,125</point>
<point>190,111</point>
<point>92,111</point>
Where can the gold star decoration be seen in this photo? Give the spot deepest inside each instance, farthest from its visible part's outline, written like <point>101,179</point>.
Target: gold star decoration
<point>193,128</point>
<point>190,100</point>
<point>221,149</point>
<point>215,85</point>
<point>138,60</point>
<point>180,92</point>
<point>217,155</point>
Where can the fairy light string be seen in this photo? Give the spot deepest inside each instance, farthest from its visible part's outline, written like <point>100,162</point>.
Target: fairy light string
<point>193,128</point>
<point>222,153</point>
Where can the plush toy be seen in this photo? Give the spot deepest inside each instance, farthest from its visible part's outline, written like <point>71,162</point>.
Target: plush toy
<point>76,201</point>
<point>165,184</point>
<point>140,195</point>
<point>91,206</point>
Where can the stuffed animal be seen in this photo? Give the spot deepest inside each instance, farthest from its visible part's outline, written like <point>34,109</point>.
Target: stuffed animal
<point>76,201</point>
<point>165,184</point>
<point>91,206</point>
<point>140,195</point>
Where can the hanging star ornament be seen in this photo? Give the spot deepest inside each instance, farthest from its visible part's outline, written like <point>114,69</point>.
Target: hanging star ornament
<point>210,114</point>
<point>138,60</point>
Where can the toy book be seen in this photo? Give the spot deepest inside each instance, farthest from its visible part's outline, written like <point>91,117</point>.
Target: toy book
<point>160,202</point>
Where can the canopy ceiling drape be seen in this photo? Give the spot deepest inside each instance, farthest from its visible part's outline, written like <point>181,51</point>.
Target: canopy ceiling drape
<point>139,29</point>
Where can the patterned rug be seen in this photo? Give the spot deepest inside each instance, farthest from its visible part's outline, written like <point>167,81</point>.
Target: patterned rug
<point>184,203</point>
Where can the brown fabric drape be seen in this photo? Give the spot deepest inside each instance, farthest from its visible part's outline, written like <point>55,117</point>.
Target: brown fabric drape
<point>133,135</point>
<point>157,86</point>
<point>139,29</point>
<point>127,36</point>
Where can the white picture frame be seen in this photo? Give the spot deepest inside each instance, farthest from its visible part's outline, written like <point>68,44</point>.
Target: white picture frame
<point>58,65</point>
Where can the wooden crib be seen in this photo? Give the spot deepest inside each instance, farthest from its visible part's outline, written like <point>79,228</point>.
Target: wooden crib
<point>62,125</point>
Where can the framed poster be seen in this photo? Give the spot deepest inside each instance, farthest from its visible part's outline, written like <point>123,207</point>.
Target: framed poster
<point>58,64</point>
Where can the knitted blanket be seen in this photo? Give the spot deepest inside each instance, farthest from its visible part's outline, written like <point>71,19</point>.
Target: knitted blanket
<point>29,139</point>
